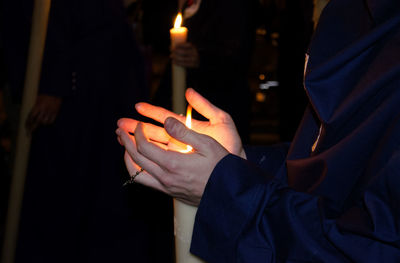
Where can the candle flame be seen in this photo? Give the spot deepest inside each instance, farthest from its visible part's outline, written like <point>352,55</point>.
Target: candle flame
<point>178,21</point>
<point>189,125</point>
<point>189,117</point>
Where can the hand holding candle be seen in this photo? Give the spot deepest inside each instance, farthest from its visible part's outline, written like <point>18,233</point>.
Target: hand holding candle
<point>185,55</point>
<point>183,176</point>
<point>180,175</point>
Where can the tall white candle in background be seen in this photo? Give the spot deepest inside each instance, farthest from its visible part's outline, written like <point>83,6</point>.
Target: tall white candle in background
<point>183,214</point>
<point>178,35</point>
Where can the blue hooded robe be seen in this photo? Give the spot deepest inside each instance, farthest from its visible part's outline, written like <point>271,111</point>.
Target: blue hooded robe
<point>334,196</point>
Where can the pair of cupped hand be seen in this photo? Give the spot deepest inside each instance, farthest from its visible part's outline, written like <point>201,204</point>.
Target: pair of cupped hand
<point>181,175</point>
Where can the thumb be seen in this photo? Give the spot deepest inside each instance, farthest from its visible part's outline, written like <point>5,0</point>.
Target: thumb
<point>180,132</point>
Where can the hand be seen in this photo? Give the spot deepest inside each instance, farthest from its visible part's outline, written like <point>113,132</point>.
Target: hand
<point>180,175</point>
<point>44,112</point>
<point>185,55</point>
<point>220,125</point>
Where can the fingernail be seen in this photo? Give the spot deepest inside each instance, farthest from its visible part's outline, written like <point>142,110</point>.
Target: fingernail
<point>169,122</point>
<point>190,90</point>
<point>172,124</point>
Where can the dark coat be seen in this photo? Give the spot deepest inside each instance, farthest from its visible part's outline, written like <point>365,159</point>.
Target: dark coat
<point>334,197</point>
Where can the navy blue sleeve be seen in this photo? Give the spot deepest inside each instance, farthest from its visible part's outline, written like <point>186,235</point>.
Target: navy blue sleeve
<point>268,158</point>
<point>247,215</point>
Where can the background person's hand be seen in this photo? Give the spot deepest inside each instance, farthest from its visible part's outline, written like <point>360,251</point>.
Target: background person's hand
<point>220,125</point>
<point>181,175</point>
<point>44,112</point>
<point>185,55</point>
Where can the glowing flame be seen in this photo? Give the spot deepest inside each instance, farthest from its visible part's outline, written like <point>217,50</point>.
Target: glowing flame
<point>189,125</point>
<point>178,21</point>
<point>189,117</point>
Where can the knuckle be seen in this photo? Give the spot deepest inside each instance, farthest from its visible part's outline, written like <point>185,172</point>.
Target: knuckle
<point>208,141</point>
<point>179,131</point>
<point>172,165</point>
<point>167,182</point>
<point>225,117</point>
<point>182,131</point>
<point>134,151</point>
<point>140,148</point>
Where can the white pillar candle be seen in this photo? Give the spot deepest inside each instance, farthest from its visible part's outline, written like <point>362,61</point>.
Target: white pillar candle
<point>183,214</point>
<point>178,35</point>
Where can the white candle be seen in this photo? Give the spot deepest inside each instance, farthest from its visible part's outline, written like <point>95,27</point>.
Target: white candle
<point>178,35</point>
<point>183,214</point>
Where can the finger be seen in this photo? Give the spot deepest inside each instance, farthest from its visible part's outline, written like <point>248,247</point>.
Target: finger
<point>180,63</point>
<point>127,124</point>
<point>130,145</point>
<point>183,55</point>
<point>205,108</point>
<point>183,45</point>
<point>180,132</point>
<point>161,145</point>
<point>144,177</point>
<point>182,52</point>
<point>42,117</point>
<point>47,119</point>
<point>156,113</point>
<point>32,120</point>
<point>187,62</point>
<point>154,132</point>
<point>32,115</point>
<point>119,139</point>
<point>166,159</point>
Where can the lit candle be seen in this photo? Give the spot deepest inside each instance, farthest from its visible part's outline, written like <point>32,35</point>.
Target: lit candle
<point>189,125</point>
<point>184,217</point>
<point>178,32</point>
<point>178,35</point>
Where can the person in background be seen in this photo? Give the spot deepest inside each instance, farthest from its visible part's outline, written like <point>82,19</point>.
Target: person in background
<point>332,195</point>
<point>216,56</point>
<point>75,209</point>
